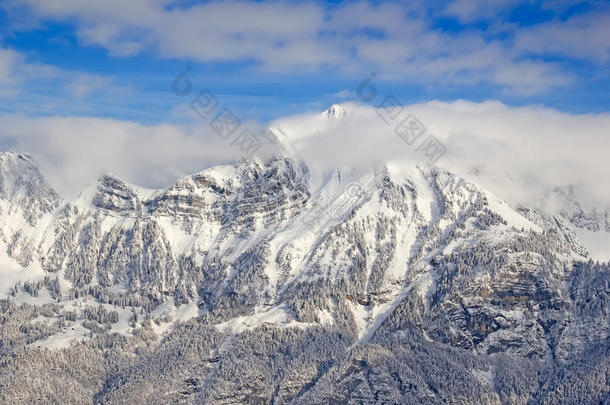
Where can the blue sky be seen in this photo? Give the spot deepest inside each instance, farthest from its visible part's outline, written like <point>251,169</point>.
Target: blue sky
<point>117,59</point>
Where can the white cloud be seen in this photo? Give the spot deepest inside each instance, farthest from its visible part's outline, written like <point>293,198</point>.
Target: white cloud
<point>8,60</point>
<point>15,69</point>
<point>75,151</point>
<point>474,10</point>
<point>529,78</point>
<point>582,37</point>
<point>519,153</point>
<point>394,39</point>
<point>81,85</point>
<point>344,94</point>
<point>18,74</point>
<point>536,147</point>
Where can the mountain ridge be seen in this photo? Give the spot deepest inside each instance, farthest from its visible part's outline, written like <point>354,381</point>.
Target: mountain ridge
<point>253,248</point>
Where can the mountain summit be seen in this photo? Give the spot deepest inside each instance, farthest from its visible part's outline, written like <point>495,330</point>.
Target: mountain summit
<point>336,111</point>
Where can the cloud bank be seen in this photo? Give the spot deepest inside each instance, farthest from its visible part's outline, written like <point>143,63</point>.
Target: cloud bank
<point>520,153</point>
<point>74,151</point>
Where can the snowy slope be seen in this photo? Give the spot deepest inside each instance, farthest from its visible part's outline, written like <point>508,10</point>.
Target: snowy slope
<point>247,245</point>
<point>276,225</point>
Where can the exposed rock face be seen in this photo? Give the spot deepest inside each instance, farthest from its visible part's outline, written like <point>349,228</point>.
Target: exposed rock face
<point>580,214</point>
<point>317,289</point>
<point>22,186</point>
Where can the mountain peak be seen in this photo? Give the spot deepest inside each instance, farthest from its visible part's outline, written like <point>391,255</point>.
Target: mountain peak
<point>336,111</point>
<point>23,187</point>
<point>13,159</point>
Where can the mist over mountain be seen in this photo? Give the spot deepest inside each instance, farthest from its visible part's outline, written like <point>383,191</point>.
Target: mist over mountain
<point>520,153</point>
<point>286,279</point>
<point>371,202</point>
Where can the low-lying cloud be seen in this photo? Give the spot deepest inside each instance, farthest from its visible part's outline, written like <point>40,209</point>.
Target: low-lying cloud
<point>74,151</point>
<point>520,153</point>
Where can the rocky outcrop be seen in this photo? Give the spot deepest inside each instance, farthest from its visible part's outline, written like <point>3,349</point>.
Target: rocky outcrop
<point>374,266</point>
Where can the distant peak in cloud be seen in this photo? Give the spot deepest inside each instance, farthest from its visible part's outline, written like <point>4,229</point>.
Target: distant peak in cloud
<point>336,111</point>
<point>519,153</point>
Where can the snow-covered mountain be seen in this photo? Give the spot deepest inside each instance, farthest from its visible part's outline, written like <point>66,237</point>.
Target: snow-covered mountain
<point>336,111</point>
<point>317,285</point>
<point>589,220</point>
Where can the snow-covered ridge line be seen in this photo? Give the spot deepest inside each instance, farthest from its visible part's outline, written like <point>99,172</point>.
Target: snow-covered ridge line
<point>231,242</point>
